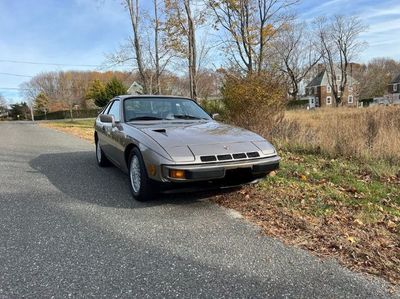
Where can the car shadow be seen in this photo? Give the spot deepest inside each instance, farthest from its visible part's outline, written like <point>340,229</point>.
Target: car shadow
<point>77,175</point>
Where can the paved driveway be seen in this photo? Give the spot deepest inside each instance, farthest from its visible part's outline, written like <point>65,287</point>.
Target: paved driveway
<point>69,228</point>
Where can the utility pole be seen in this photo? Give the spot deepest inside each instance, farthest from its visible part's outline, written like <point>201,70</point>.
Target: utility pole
<point>33,118</point>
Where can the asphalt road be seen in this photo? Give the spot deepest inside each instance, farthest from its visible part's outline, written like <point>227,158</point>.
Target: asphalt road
<point>70,229</point>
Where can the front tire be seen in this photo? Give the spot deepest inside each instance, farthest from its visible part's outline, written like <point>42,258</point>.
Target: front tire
<point>140,184</point>
<point>101,159</point>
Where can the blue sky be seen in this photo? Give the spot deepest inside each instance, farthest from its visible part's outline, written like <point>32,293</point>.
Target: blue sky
<point>82,31</point>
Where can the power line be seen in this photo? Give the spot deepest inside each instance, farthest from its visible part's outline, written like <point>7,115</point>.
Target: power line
<point>16,75</point>
<point>48,63</point>
<point>12,88</point>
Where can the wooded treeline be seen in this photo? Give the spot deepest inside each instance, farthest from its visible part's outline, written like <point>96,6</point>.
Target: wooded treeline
<point>198,48</point>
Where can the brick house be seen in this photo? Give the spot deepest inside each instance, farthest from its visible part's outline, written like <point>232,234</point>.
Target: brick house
<point>394,90</point>
<point>319,92</point>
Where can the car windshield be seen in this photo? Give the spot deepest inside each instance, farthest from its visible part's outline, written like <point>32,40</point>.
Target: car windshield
<point>146,109</point>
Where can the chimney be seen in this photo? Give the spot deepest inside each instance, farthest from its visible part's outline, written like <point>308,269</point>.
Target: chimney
<point>320,67</point>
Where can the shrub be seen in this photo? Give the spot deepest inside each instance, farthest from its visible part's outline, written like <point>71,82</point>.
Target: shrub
<point>255,102</point>
<point>213,106</point>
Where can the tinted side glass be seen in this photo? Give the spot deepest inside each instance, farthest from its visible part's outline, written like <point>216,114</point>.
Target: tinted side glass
<point>114,110</point>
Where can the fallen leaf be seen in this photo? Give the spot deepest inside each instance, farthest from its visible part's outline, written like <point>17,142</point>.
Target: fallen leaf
<point>358,221</point>
<point>351,239</point>
<point>391,224</point>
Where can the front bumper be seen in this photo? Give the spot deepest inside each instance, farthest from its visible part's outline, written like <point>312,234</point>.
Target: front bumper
<point>216,171</point>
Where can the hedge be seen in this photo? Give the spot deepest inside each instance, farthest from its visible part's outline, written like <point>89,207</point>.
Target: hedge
<point>65,114</point>
<point>298,103</point>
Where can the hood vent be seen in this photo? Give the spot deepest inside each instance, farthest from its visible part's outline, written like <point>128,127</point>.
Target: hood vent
<point>163,131</point>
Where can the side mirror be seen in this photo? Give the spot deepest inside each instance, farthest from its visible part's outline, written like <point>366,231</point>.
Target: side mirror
<point>216,116</point>
<point>107,118</point>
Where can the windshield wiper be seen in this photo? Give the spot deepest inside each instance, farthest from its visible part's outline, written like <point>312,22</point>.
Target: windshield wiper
<point>145,118</point>
<point>186,116</point>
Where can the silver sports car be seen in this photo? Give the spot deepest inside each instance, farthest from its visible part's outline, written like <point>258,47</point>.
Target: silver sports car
<point>166,142</point>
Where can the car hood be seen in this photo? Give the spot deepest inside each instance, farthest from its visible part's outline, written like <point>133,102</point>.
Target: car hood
<point>182,140</point>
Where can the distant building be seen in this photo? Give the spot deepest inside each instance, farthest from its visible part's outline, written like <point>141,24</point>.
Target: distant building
<point>319,92</point>
<point>393,95</point>
<point>135,88</point>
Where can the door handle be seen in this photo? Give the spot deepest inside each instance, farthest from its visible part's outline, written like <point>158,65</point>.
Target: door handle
<point>103,128</point>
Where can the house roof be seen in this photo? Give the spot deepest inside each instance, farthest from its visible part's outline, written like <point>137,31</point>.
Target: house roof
<point>135,88</point>
<point>322,79</point>
<point>317,81</point>
<point>396,79</point>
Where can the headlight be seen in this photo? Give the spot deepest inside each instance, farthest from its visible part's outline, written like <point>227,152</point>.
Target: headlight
<point>266,147</point>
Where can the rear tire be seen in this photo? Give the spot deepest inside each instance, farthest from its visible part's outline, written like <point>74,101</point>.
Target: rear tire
<point>101,158</point>
<point>141,186</point>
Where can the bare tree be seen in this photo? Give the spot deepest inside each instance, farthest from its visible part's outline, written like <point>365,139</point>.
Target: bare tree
<point>68,91</point>
<point>133,8</point>
<point>251,24</point>
<point>296,53</point>
<point>375,76</point>
<point>147,47</point>
<point>339,44</point>
<point>3,102</point>
<point>181,25</point>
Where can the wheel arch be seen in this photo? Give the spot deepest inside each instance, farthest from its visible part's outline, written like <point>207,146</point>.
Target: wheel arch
<point>127,153</point>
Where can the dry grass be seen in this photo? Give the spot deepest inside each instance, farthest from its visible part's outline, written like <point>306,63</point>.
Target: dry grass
<point>372,133</point>
<point>80,128</point>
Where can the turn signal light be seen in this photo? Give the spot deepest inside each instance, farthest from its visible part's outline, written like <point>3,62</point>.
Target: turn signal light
<point>177,174</point>
<point>152,169</point>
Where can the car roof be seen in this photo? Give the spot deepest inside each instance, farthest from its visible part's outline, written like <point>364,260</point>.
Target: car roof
<point>130,96</point>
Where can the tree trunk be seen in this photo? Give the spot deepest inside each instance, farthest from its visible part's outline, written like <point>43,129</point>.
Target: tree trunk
<point>157,55</point>
<point>71,114</point>
<point>191,51</point>
<point>134,14</point>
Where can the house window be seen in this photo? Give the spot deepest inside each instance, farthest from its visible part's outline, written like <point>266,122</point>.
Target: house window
<point>328,100</point>
<point>350,99</point>
<point>394,87</point>
<point>350,88</point>
<point>338,78</point>
<point>328,89</point>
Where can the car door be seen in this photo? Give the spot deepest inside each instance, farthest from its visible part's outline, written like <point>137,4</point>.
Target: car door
<point>116,135</point>
<point>106,130</point>
<point>101,129</point>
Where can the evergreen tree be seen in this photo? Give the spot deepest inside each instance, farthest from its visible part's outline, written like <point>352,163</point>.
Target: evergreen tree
<point>97,92</point>
<point>114,88</point>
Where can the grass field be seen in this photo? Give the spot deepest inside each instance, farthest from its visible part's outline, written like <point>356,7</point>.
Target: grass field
<point>81,128</point>
<point>335,202</point>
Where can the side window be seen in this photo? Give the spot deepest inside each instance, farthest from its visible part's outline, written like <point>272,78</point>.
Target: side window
<point>114,110</point>
<point>105,109</point>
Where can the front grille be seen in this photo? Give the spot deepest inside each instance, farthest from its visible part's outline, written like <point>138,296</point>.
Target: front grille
<point>227,157</point>
<point>239,156</point>
<point>253,154</point>
<point>208,158</point>
<point>224,157</point>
